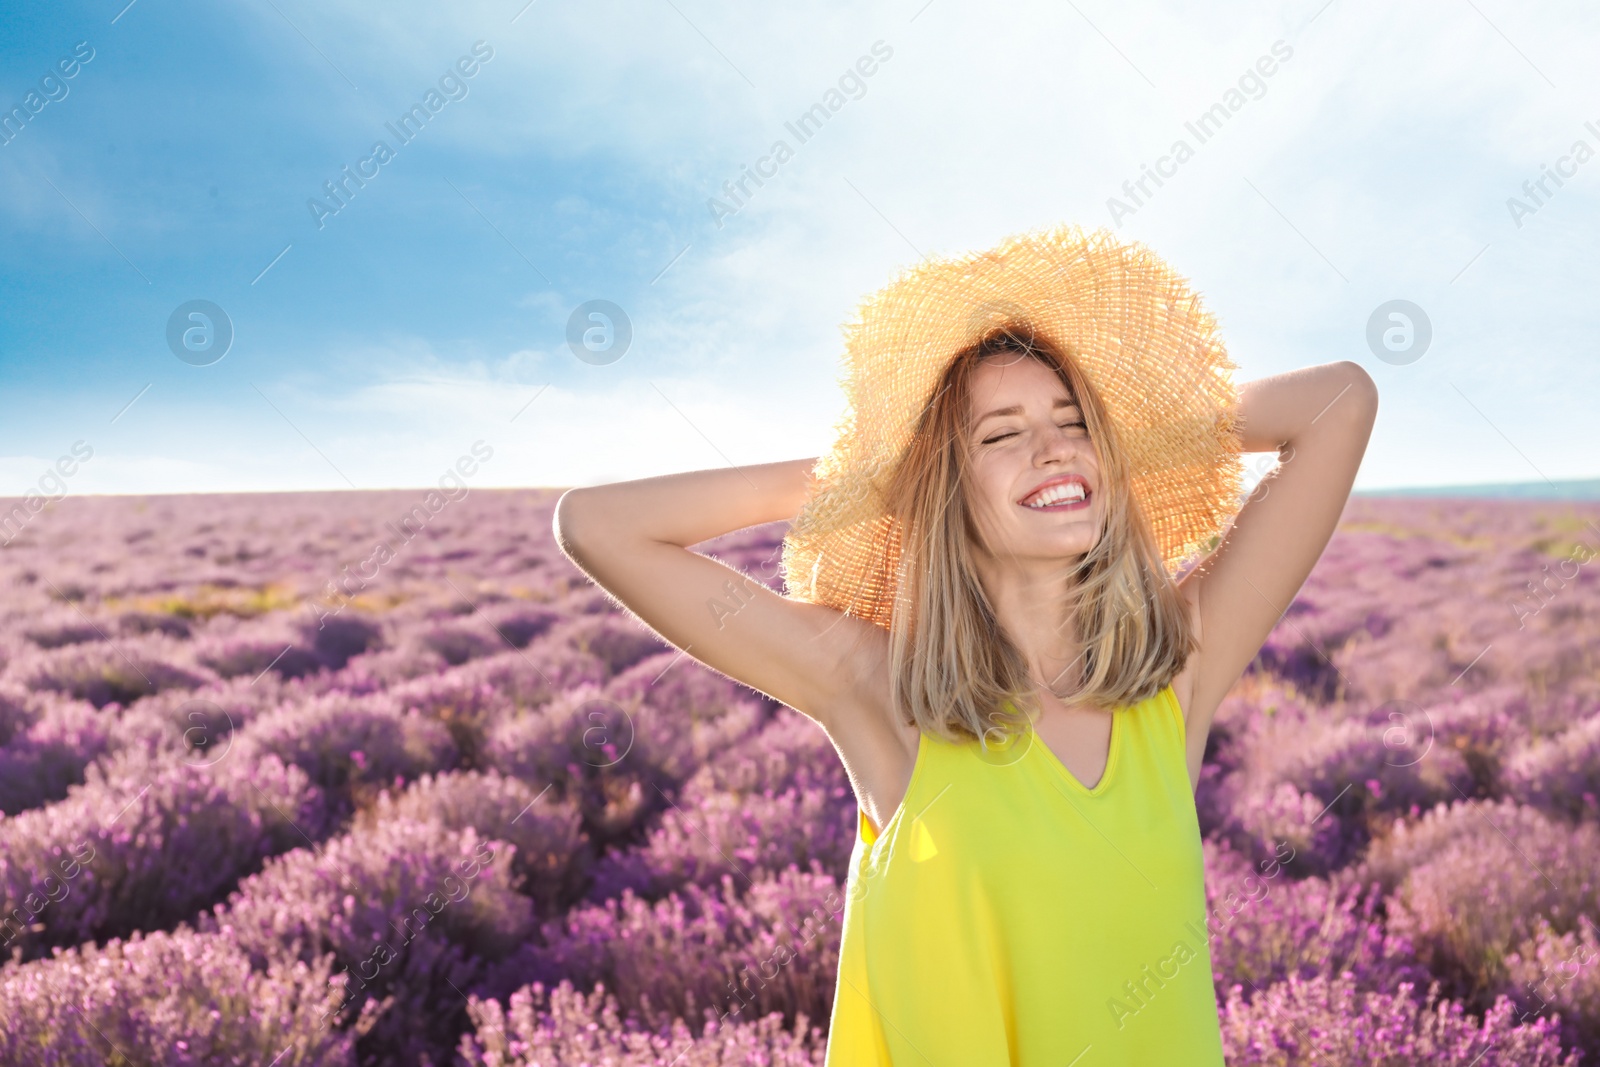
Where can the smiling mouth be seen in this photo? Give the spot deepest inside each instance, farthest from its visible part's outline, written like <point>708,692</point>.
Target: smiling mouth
<point>1069,495</point>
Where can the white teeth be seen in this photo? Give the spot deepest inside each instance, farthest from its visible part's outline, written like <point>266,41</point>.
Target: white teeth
<point>1057,494</point>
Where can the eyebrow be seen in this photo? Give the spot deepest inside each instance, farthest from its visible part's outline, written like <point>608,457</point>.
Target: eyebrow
<point>1016,409</point>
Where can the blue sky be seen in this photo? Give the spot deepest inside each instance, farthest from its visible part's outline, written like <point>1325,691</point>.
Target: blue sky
<point>579,160</point>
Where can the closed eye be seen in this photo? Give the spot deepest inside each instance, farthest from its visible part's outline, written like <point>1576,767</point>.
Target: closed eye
<point>1001,437</point>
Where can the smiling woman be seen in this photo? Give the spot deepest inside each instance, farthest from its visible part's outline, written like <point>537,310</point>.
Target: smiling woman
<point>984,615</point>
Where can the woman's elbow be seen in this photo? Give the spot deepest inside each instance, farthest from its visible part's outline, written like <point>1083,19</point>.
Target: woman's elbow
<point>571,522</point>
<point>1362,382</point>
<point>1359,397</point>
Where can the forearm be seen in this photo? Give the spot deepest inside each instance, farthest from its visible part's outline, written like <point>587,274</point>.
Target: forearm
<point>687,508</point>
<point>1278,412</point>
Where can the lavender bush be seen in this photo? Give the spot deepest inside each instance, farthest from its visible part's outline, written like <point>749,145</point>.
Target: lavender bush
<point>140,846</point>
<point>552,853</point>
<point>1470,882</point>
<point>567,1026</point>
<point>1266,926</point>
<point>709,835</point>
<point>107,672</point>
<point>1560,773</point>
<point>412,912</point>
<point>744,949</point>
<point>346,743</point>
<point>1326,1020</point>
<point>40,762</point>
<point>184,999</point>
<point>1559,975</point>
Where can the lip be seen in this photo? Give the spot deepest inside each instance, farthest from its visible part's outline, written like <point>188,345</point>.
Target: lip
<point>1064,479</point>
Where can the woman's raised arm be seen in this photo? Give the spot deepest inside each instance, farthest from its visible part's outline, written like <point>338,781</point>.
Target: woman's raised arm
<point>632,538</point>
<point>1318,420</point>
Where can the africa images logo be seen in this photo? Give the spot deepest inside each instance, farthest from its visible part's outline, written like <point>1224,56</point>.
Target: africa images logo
<point>451,86</point>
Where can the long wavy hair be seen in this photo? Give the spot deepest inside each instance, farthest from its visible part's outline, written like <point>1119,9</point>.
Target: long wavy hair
<point>953,667</point>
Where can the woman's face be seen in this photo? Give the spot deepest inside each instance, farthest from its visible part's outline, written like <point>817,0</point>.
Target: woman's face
<point>1035,477</point>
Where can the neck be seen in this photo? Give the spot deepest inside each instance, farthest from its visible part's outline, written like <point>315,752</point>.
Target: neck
<point>1030,600</point>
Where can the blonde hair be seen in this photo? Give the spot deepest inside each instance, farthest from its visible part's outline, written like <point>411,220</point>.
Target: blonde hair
<point>952,666</point>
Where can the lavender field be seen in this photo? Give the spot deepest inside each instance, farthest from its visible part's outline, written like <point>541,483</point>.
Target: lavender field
<point>380,778</point>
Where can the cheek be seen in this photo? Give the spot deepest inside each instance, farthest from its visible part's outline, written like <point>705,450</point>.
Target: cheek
<point>994,480</point>
<point>986,479</point>
<point>985,496</point>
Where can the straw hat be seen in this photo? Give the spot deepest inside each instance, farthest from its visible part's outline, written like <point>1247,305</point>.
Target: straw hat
<point>1141,337</point>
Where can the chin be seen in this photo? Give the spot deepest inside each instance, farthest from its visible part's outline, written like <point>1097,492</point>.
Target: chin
<point>1064,548</point>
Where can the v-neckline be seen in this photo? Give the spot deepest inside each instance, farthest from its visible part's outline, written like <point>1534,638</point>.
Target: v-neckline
<point>1113,747</point>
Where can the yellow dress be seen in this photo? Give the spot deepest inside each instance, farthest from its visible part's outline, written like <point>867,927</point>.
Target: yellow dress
<point>1008,915</point>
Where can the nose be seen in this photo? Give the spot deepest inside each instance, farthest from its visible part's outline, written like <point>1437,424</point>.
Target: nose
<point>1058,445</point>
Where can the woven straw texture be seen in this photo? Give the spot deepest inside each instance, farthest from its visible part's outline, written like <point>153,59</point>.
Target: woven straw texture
<point>1138,332</point>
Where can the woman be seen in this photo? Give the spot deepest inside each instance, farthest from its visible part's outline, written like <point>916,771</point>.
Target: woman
<point>983,616</point>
